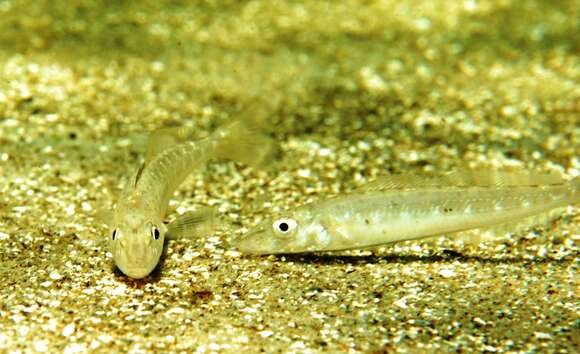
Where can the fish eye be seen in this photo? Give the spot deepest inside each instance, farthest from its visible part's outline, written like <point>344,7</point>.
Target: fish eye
<point>284,226</point>
<point>114,234</point>
<point>155,232</point>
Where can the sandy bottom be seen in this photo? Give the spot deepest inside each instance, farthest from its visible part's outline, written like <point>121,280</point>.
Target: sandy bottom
<point>349,92</point>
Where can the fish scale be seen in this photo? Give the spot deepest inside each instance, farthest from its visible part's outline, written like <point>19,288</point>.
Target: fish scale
<point>163,175</point>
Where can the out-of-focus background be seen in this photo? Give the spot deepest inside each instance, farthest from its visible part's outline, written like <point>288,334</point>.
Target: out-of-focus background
<point>350,90</point>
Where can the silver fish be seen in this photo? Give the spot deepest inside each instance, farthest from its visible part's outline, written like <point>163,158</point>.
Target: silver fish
<point>137,231</point>
<point>399,208</point>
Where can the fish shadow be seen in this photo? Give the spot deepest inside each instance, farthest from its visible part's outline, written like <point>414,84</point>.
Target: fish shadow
<point>444,256</point>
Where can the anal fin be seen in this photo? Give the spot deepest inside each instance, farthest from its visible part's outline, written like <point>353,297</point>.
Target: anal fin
<point>500,232</point>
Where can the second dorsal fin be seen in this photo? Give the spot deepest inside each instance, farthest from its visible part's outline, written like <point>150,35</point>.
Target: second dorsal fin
<point>164,138</point>
<point>462,178</point>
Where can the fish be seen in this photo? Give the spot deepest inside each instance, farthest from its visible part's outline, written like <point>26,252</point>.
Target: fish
<point>137,232</point>
<point>410,207</point>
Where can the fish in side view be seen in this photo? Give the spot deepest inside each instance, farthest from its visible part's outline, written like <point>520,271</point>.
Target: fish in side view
<point>137,231</point>
<point>399,208</point>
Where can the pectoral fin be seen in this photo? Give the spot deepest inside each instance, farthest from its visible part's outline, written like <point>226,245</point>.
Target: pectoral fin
<point>103,215</point>
<point>201,222</point>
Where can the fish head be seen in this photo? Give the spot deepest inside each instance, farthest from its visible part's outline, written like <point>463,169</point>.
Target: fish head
<point>293,232</point>
<point>136,242</point>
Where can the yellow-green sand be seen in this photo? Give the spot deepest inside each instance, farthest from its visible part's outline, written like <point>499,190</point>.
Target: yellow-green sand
<point>354,90</point>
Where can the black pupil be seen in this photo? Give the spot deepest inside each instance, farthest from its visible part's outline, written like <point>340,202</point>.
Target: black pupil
<point>114,233</point>
<point>156,233</point>
<point>283,227</point>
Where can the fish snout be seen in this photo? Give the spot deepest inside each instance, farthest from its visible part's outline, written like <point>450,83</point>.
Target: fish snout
<point>136,258</point>
<point>257,241</point>
<point>134,248</point>
<point>137,250</point>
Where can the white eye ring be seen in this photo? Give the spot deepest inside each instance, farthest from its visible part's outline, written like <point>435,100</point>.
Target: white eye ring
<point>284,226</point>
<point>155,232</point>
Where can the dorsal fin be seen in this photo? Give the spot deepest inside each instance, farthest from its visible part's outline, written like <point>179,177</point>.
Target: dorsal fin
<point>399,182</point>
<point>462,178</point>
<point>138,174</point>
<point>495,178</point>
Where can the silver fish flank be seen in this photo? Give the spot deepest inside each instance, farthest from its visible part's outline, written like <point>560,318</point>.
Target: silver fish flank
<point>399,208</point>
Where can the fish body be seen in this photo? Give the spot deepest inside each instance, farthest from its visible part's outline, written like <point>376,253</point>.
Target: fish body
<point>399,211</point>
<point>137,232</point>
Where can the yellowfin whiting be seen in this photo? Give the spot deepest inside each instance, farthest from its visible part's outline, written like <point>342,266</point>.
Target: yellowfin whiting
<point>399,208</point>
<point>137,230</point>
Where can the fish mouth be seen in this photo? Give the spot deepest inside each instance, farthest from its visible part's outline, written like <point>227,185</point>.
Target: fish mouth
<point>136,272</point>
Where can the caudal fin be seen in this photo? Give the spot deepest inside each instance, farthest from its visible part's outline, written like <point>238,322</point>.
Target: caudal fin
<point>245,142</point>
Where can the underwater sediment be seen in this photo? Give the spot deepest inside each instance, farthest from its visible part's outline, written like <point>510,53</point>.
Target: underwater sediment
<point>349,92</point>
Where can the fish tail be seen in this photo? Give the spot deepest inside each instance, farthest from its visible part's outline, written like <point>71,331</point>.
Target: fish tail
<point>244,141</point>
